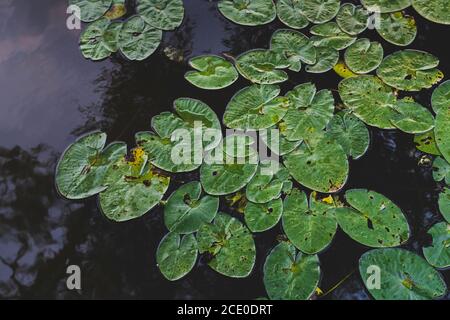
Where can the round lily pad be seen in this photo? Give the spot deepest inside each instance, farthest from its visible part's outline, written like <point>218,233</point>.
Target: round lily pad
<point>403,276</point>
<point>138,40</point>
<point>248,12</point>
<point>213,72</point>
<point>364,56</point>
<point>330,35</point>
<point>434,10</point>
<point>438,253</point>
<point>397,28</point>
<point>440,100</point>
<point>410,70</point>
<point>83,167</point>
<point>426,142</point>
<point>267,183</point>
<point>112,35</point>
<point>370,100</point>
<point>229,245</point>
<point>176,255</point>
<point>255,107</point>
<point>290,275</point>
<point>351,133</point>
<point>276,141</point>
<point>185,210</point>
<point>352,19</point>
<point>263,66</point>
<point>374,220</point>
<point>319,11</point>
<point>441,170</point>
<point>442,132</point>
<point>94,43</point>
<point>91,10</point>
<point>310,228</point>
<point>260,217</point>
<point>327,58</point>
<point>444,204</point>
<point>161,14</point>
<point>290,14</point>
<point>412,117</point>
<point>384,6</point>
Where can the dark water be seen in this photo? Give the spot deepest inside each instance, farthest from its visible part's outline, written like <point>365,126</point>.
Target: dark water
<point>50,95</point>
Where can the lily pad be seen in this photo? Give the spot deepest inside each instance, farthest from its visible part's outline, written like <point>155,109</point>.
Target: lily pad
<point>404,275</point>
<point>384,6</point>
<point>320,11</point>
<point>255,107</point>
<point>248,12</point>
<point>397,28</point>
<point>434,10</point>
<point>410,70</point>
<point>267,183</point>
<point>374,220</point>
<point>112,36</point>
<point>412,117</point>
<point>364,56</point>
<point>442,132</point>
<point>440,100</point>
<point>213,72</point>
<point>260,217</point>
<point>444,204</point>
<point>426,142</point>
<point>370,100</point>
<point>352,19</point>
<point>351,133</point>
<point>327,58</point>
<point>438,253</point>
<point>91,10</point>
<point>161,14</point>
<point>83,167</point>
<point>275,139</point>
<point>117,10</point>
<point>330,35</point>
<point>310,228</point>
<point>138,40</point>
<point>230,246</point>
<point>185,210</point>
<point>441,170</point>
<point>290,14</point>
<point>290,275</point>
<point>94,43</point>
<point>176,255</point>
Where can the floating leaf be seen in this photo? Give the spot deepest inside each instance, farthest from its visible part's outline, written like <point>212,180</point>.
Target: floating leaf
<point>310,228</point>
<point>426,142</point>
<point>230,246</point>
<point>290,275</point>
<point>441,170</point>
<point>91,10</point>
<point>410,70</point>
<point>240,145</point>
<point>442,132</point>
<point>319,11</point>
<point>440,99</point>
<point>111,36</point>
<point>384,6</point>
<point>185,210</point>
<point>364,56</point>
<point>374,220</point>
<point>275,139</point>
<point>290,14</point>
<point>267,183</point>
<point>248,12</point>
<point>117,10</point>
<point>434,10</point>
<point>161,14</point>
<point>404,275</point>
<point>327,58</point>
<point>352,19</point>
<point>94,43</point>
<point>444,203</point>
<point>397,28</point>
<point>260,217</point>
<point>330,35</point>
<point>82,169</point>
<point>343,71</point>
<point>412,117</point>
<point>438,253</point>
<point>213,72</point>
<point>176,255</point>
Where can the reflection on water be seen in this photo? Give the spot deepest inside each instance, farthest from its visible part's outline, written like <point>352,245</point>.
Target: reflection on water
<point>50,95</point>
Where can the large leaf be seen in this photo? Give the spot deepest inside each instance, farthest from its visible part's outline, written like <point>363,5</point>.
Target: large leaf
<point>327,58</point>
<point>364,56</point>
<point>441,170</point>
<point>229,246</point>
<point>161,14</point>
<point>426,142</point>
<point>412,117</point>
<point>440,99</point>
<point>385,5</point>
<point>403,275</point>
<point>442,132</point>
<point>434,10</point>
<point>260,217</point>
<point>330,35</point>
<point>91,10</point>
<point>397,28</point>
<point>248,12</point>
<point>319,11</point>
<point>444,203</point>
<point>352,19</point>
<point>176,255</point>
<point>94,42</point>
<point>213,72</point>
<point>290,275</point>
<point>185,210</point>
<point>438,253</point>
<point>290,14</point>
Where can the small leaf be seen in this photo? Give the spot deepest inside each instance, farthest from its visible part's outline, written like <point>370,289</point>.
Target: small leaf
<point>384,6</point>
<point>397,28</point>
<point>434,10</point>
<point>91,10</point>
<point>426,142</point>
<point>212,73</point>
<point>330,35</point>
<point>441,170</point>
<point>248,12</point>
<point>438,253</point>
<point>290,14</point>
<point>161,14</point>
<point>319,11</point>
<point>444,203</point>
<point>440,99</point>
<point>261,217</point>
<point>364,56</point>
<point>412,117</point>
<point>327,58</point>
<point>352,19</point>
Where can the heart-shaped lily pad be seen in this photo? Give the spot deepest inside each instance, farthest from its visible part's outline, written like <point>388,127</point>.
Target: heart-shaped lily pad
<point>442,132</point>
<point>426,142</point>
<point>327,58</point>
<point>275,139</point>
<point>410,70</point>
<point>403,276</point>
<point>364,56</point>
<point>310,228</point>
<point>440,100</point>
<point>161,14</point>
<point>319,11</point>
<point>352,19</point>
<point>185,210</point>
<point>176,255</point>
<point>444,203</point>
<point>374,220</point>
<point>412,117</point>
<point>83,167</point>
<point>330,35</point>
<point>384,6</point>
<point>290,14</point>
<point>248,12</point>
<point>213,72</point>
<point>95,41</point>
<point>438,253</point>
<point>260,217</point>
<point>441,170</point>
<point>397,28</point>
<point>91,10</point>
<point>434,10</point>
<point>290,275</point>
<point>229,245</point>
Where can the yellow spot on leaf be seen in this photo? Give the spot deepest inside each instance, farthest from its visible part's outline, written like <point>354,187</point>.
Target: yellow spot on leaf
<point>328,200</point>
<point>343,71</point>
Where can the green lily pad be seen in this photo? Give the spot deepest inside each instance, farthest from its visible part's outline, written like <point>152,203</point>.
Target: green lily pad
<point>440,100</point>
<point>239,145</point>
<point>319,11</point>
<point>255,107</point>
<point>426,142</point>
<point>83,167</point>
<point>290,275</point>
<point>138,40</point>
<point>229,244</point>
<point>248,12</point>
<point>364,56</point>
<point>352,19</point>
<point>327,58</point>
<point>213,72</point>
<point>403,275</point>
<point>263,66</point>
<point>374,220</point>
<point>442,132</point>
<point>310,228</point>
<point>267,184</point>
<point>384,6</point>
<point>370,100</point>
<point>438,254</point>
<point>309,112</point>
<point>444,204</point>
<point>93,40</point>
<point>176,255</point>
<point>397,28</point>
<point>161,14</point>
<point>117,10</point>
<point>441,170</point>
<point>260,217</point>
<point>320,165</point>
<point>295,46</point>
<point>275,139</point>
<point>434,10</point>
<point>330,35</point>
<point>351,133</point>
<point>290,14</point>
<point>112,35</point>
<point>410,70</point>
<point>185,210</point>
<point>91,10</point>
<point>412,117</point>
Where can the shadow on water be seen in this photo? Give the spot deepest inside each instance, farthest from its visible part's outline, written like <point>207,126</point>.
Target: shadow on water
<point>56,95</point>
